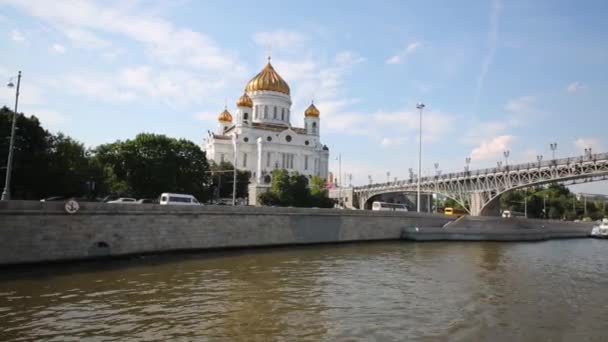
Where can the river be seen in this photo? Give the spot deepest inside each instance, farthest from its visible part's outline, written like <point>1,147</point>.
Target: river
<point>387,291</point>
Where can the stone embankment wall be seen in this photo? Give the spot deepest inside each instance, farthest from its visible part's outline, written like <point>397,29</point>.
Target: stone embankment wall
<point>33,232</point>
<point>476,228</point>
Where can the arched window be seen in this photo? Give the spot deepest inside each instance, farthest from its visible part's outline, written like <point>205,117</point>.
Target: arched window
<point>245,116</point>
<point>274,114</point>
<point>283,114</point>
<point>256,112</point>
<point>265,112</point>
<point>314,127</point>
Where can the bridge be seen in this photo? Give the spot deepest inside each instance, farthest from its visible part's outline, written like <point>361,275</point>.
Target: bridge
<point>478,191</point>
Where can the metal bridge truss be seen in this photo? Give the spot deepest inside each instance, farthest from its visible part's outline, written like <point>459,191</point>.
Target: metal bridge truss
<point>477,190</point>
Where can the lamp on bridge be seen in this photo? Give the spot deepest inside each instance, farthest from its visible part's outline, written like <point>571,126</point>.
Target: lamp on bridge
<point>499,164</point>
<point>420,106</point>
<point>506,154</point>
<point>467,161</point>
<point>588,152</point>
<point>553,147</point>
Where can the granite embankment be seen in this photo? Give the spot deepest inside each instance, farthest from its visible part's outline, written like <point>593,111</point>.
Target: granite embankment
<point>33,232</point>
<point>469,228</point>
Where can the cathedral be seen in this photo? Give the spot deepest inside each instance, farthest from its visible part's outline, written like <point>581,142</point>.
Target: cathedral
<point>262,135</point>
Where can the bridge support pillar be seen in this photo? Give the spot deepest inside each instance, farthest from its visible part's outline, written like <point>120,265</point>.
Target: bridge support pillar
<point>479,208</point>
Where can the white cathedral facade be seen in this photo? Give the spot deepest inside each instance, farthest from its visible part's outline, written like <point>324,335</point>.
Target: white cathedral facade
<point>262,134</point>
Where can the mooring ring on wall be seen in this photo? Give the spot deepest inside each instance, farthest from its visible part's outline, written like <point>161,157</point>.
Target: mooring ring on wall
<point>71,206</point>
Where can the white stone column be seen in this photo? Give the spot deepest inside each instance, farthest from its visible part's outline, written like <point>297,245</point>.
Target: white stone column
<point>260,154</point>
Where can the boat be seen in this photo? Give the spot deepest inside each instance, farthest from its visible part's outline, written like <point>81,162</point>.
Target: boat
<point>600,231</point>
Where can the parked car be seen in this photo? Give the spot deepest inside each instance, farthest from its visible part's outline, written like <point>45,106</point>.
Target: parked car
<point>178,199</point>
<point>124,200</point>
<point>147,201</point>
<point>53,198</point>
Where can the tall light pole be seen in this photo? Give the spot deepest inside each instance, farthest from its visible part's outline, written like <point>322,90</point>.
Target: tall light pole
<point>340,179</point>
<point>234,138</point>
<point>506,154</point>
<point>588,152</point>
<point>467,161</point>
<point>553,147</point>
<point>420,107</point>
<point>6,193</point>
<point>369,177</point>
<point>499,165</point>
<point>388,176</point>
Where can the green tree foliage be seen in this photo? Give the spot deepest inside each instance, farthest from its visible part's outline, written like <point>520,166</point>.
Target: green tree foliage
<point>554,201</point>
<point>222,181</point>
<point>152,164</point>
<point>43,164</point>
<point>296,190</point>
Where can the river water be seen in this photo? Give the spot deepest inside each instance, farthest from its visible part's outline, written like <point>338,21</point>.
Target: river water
<point>388,291</point>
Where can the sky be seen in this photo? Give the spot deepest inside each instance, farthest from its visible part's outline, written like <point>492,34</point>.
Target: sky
<point>494,75</point>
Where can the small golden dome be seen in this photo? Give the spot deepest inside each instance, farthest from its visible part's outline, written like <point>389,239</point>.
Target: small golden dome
<point>244,101</point>
<point>312,111</point>
<point>268,79</point>
<point>225,116</point>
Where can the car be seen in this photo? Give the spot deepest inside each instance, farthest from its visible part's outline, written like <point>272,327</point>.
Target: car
<point>178,199</point>
<point>147,201</point>
<point>124,200</point>
<point>53,198</point>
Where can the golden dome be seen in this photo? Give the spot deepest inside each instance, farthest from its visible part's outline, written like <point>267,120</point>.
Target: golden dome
<point>312,111</point>
<point>244,101</point>
<point>225,116</point>
<point>268,79</point>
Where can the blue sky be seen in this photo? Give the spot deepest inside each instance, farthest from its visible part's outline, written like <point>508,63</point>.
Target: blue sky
<point>494,75</point>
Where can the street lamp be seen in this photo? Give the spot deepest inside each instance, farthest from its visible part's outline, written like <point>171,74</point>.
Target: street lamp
<point>499,164</point>
<point>588,152</point>
<point>553,147</point>
<point>420,107</point>
<point>467,161</point>
<point>436,168</point>
<point>388,176</point>
<point>234,138</point>
<point>539,158</point>
<point>506,154</point>
<point>6,193</point>
<point>369,177</point>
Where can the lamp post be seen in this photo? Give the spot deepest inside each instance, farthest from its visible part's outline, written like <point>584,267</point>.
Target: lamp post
<point>420,107</point>
<point>545,206</point>
<point>6,193</point>
<point>499,165</point>
<point>539,158</point>
<point>588,152</point>
<point>340,179</point>
<point>553,147</point>
<point>506,154</point>
<point>467,161</point>
<point>234,138</point>
<point>369,177</point>
<point>388,176</point>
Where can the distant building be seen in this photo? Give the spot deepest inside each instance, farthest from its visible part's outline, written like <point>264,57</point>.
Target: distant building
<point>592,197</point>
<point>265,139</point>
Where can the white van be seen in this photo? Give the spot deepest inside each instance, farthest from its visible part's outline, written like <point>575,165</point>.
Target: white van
<point>383,206</point>
<point>178,199</point>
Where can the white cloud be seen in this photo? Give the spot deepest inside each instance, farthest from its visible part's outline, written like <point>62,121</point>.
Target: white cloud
<point>390,142</point>
<point>409,49</point>
<point>396,59</point>
<point>582,143</point>
<point>17,36</point>
<point>162,40</point>
<point>58,48</point>
<point>206,116</point>
<point>412,47</point>
<point>576,86</point>
<point>85,39</point>
<point>280,39</point>
<point>48,118</point>
<point>492,44</point>
<point>491,148</point>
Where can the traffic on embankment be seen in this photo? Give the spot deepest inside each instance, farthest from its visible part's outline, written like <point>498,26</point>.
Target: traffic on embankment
<point>38,232</point>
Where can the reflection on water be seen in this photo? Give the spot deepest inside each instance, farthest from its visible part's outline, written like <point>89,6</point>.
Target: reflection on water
<point>553,290</point>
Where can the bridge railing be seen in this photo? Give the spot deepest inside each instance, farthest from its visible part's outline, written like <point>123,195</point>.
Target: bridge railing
<point>492,170</point>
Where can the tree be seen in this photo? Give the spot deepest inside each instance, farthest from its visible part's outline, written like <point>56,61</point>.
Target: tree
<point>30,179</point>
<point>152,164</point>
<point>221,182</point>
<point>295,190</point>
